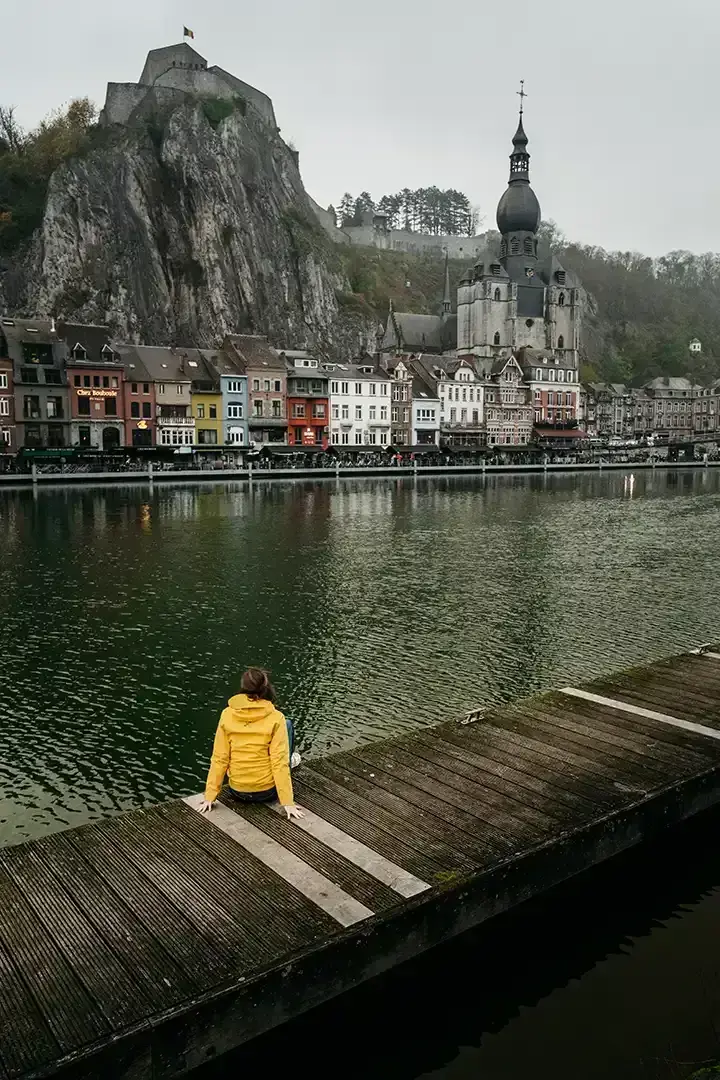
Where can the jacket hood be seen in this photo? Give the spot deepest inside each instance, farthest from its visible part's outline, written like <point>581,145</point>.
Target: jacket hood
<point>245,710</point>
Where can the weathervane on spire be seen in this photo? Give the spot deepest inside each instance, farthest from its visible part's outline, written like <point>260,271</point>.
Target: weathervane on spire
<point>522,95</point>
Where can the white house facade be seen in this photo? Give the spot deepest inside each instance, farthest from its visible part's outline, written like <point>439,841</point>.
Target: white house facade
<point>359,406</point>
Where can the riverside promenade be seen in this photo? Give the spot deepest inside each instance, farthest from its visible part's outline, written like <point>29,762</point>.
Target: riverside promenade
<point>148,478</point>
<point>144,945</point>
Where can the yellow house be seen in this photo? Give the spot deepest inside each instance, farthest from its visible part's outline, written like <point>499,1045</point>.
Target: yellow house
<point>206,397</point>
<point>207,410</point>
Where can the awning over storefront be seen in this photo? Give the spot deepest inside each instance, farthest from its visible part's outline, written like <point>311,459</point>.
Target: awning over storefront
<point>283,448</point>
<point>560,433</point>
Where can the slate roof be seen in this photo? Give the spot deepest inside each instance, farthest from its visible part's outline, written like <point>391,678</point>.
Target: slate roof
<point>92,338</point>
<point>423,388</point>
<point>256,352</point>
<point>29,330</point>
<point>501,363</point>
<point>165,364</point>
<point>616,389</point>
<point>135,370</point>
<point>482,265</point>
<point>550,266</point>
<point>416,332</point>
<point>420,333</point>
<point>222,362</point>
<point>529,358</point>
<point>669,383</point>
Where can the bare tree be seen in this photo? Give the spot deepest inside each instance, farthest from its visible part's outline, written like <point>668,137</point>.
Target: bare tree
<point>12,136</point>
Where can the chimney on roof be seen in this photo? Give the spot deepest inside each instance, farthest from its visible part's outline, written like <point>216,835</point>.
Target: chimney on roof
<point>52,324</point>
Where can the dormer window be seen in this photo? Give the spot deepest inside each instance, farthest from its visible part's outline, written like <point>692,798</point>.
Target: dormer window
<point>494,268</point>
<point>107,353</point>
<point>560,277</point>
<point>538,374</point>
<point>79,352</point>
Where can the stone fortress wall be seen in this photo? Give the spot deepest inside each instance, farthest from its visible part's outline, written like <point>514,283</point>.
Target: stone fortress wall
<point>376,234</point>
<point>173,74</point>
<point>457,247</point>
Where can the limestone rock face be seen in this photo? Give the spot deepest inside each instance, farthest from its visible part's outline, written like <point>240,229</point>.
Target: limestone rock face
<point>178,230</point>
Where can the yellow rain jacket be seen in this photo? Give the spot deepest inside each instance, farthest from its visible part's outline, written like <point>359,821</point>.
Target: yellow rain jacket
<point>251,746</point>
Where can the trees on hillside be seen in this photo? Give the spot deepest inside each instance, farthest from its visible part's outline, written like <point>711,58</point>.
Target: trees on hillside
<point>28,159</point>
<point>425,210</point>
<point>646,311</point>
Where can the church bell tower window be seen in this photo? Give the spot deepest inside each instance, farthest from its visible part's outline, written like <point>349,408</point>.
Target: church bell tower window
<point>496,339</point>
<point>561,342</point>
<point>561,300</point>
<point>515,246</point>
<point>497,294</point>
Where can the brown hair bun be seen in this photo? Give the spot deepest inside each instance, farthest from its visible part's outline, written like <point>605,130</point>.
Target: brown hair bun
<point>256,684</point>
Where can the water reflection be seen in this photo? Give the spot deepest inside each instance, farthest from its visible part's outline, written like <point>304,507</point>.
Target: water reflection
<point>378,604</point>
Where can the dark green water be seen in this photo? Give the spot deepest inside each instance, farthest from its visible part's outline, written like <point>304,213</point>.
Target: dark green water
<point>377,604</point>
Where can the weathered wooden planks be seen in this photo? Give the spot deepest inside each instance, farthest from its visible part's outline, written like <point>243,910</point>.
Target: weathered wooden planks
<point>141,945</point>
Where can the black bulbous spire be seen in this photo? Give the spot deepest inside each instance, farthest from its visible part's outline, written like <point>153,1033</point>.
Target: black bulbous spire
<point>519,210</point>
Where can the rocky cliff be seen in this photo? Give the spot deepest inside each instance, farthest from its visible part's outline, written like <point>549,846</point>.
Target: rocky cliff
<point>179,227</point>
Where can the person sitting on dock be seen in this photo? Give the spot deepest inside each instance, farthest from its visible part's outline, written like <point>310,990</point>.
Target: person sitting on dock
<point>254,747</point>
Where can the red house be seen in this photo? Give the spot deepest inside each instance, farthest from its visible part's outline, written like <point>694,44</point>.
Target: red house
<point>308,401</point>
<point>94,381</point>
<point>140,405</point>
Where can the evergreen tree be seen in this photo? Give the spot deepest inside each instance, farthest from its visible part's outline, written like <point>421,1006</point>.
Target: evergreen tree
<point>346,209</point>
<point>363,206</point>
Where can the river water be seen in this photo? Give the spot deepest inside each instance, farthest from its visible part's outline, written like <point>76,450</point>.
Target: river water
<point>379,605</point>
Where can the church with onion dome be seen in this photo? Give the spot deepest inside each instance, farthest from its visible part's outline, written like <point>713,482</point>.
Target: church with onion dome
<point>515,337</point>
<point>516,300</point>
<point>508,301</point>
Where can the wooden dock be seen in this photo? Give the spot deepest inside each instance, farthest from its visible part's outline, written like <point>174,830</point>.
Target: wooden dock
<point>142,946</point>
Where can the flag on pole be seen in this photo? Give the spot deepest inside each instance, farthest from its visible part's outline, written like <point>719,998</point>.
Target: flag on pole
<point>188,33</point>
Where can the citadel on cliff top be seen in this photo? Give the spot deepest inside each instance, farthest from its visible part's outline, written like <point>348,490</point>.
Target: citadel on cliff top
<point>171,76</point>
<point>177,73</point>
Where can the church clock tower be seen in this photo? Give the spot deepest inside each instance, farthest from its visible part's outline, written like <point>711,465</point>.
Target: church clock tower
<point>517,300</point>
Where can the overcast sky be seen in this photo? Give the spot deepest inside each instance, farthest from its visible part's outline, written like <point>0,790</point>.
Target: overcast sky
<point>621,112</point>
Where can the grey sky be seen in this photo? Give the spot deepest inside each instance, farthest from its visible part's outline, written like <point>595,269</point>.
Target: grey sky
<point>395,93</point>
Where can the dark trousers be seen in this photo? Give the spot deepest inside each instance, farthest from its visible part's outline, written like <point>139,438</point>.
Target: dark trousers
<point>271,794</point>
